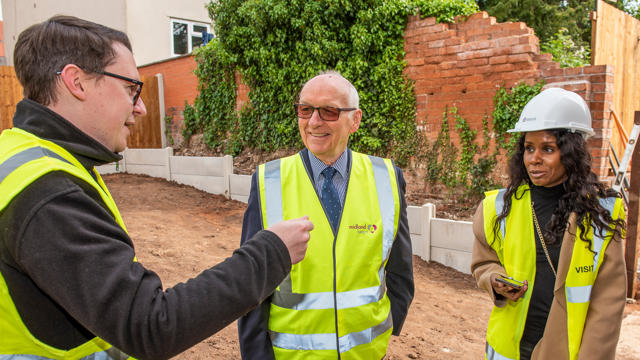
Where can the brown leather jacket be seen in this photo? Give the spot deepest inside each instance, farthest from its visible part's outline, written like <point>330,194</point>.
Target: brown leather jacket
<point>608,297</point>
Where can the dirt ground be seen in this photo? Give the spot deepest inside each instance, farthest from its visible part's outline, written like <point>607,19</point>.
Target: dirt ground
<point>179,231</point>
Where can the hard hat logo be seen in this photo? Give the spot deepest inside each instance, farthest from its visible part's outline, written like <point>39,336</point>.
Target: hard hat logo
<point>555,108</point>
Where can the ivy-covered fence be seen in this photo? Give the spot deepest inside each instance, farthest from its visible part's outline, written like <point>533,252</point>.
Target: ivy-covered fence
<point>276,45</point>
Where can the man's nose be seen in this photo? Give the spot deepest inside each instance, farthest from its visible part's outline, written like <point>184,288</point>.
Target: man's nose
<point>139,109</point>
<point>315,117</point>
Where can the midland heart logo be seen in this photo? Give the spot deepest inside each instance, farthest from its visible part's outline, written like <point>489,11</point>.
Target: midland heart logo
<point>364,228</point>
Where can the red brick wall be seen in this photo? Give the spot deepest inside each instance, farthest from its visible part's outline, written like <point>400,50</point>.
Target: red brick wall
<point>463,64</point>
<point>180,84</point>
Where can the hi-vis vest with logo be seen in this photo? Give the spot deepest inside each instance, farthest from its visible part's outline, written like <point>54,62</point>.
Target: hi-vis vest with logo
<point>23,159</point>
<point>516,249</point>
<point>334,303</point>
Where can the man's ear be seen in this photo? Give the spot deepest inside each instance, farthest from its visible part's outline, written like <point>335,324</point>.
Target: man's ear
<point>74,80</point>
<point>357,117</point>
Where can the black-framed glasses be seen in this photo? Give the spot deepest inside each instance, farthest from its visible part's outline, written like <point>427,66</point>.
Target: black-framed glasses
<point>135,91</point>
<point>327,113</point>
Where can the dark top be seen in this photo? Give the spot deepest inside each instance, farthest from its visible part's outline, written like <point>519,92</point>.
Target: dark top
<point>252,328</point>
<point>545,202</point>
<point>69,266</point>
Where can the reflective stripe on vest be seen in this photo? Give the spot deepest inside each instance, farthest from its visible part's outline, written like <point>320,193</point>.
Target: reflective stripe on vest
<point>499,208</point>
<point>328,341</point>
<point>315,316</point>
<point>493,355</point>
<point>325,300</point>
<point>274,195</point>
<point>110,354</point>
<point>15,161</point>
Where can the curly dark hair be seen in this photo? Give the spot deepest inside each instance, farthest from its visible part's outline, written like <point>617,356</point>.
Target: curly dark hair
<point>582,190</point>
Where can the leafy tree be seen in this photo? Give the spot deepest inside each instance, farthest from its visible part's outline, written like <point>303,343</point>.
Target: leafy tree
<point>631,7</point>
<point>565,51</point>
<point>547,17</point>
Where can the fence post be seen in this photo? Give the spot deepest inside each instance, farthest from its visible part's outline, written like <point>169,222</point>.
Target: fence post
<point>122,164</point>
<point>631,247</point>
<point>163,123</point>
<point>428,213</point>
<point>167,164</point>
<point>227,160</point>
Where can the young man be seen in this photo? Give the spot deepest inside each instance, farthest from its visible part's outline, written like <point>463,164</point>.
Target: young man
<point>354,288</point>
<point>70,284</point>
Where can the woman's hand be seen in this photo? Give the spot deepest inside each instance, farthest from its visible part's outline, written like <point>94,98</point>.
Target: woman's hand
<point>507,291</point>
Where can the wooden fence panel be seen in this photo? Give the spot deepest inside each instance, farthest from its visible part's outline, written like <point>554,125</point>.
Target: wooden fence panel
<point>616,42</point>
<point>10,95</point>
<point>147,132</point>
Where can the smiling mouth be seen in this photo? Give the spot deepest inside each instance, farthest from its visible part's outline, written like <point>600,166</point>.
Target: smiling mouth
<point>318,135</point>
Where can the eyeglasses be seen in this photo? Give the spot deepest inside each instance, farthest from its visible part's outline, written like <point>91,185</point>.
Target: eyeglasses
<point>135,89</point>
<point>327,113</point>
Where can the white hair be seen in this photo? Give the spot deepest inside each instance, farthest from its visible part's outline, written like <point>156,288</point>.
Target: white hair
<point>353,97</point>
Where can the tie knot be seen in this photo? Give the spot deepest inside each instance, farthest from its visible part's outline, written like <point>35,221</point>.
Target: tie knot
<point>328,172</point>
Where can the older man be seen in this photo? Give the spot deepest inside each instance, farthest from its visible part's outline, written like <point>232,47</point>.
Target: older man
<point>70,284</point>
<point>354,288</point>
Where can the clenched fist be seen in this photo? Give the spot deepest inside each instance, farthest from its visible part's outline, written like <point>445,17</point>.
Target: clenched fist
<point>294,234</point>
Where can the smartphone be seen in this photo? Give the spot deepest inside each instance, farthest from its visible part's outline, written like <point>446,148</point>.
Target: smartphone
<point>510,281</point>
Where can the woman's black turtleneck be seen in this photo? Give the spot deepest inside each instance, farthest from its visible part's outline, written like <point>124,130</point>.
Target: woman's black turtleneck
<point>545,201</point>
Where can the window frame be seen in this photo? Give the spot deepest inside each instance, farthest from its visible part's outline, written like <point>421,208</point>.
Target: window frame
<point>190,34</point>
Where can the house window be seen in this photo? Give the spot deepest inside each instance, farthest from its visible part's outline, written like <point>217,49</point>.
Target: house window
<point>186,36</point>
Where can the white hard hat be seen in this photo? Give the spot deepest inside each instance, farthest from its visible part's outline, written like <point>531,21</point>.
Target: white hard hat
<point>555,108</point>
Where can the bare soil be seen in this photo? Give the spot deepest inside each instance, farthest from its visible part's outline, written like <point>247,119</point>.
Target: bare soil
<point>179,232</point>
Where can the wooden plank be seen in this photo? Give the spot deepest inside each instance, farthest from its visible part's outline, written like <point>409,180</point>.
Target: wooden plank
<point>146,133</point>
<point>631,247</point>
<point>10,95</point>
<point>615,42</point>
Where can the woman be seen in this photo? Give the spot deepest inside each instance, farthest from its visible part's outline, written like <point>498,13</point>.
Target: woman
<point>558,231</point>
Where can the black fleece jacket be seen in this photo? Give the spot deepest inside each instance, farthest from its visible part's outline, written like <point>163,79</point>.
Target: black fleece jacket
<point>70,272</point>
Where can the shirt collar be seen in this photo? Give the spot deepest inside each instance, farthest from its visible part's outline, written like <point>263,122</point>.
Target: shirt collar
<point>317,165</point>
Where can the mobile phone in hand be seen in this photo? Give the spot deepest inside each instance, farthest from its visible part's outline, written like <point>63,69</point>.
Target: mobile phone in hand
<point>510,282</point>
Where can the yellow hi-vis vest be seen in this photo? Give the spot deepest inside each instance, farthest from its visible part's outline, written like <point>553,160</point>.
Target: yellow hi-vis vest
<point>516,249</point>
<point>334,303</point>
<point>24,158</point>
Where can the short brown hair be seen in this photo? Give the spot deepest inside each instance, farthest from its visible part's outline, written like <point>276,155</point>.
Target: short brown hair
<point>45,48</point>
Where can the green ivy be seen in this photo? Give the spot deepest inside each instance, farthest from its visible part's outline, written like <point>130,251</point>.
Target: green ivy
<point>167,129</point>
<point>507,108</point>
<point>467,168</point>
<point>276,45</point>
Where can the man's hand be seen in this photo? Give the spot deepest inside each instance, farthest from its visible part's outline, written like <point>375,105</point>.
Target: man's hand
<point>294,234</point>
<point>507,291</point>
